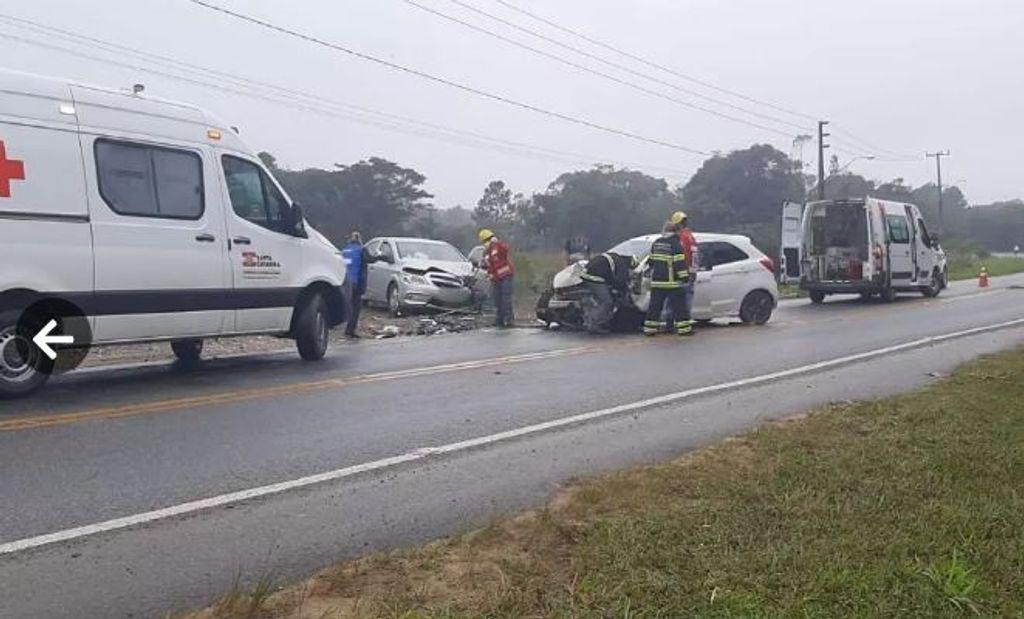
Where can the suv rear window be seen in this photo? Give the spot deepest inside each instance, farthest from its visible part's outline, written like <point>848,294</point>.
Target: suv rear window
<point>148,181</point>
<point>716,253</point>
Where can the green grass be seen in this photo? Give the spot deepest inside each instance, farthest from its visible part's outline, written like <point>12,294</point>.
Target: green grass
<point>534,273</point>
<point>996,265</point>
<point>910,506</point>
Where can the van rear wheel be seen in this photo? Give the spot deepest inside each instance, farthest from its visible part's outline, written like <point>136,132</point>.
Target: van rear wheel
<point>19,362</point>
<point>817,297</point>
<point>312,330</point>
<point>888,294</point>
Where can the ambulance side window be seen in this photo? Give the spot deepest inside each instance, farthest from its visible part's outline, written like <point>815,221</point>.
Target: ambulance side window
<point>254,197</point>
<point>925,237</point>
<point>899,231</point>
<point>147,181</point>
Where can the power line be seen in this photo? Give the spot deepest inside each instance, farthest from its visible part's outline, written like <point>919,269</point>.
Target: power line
<point>652,63</point>
<point>864,143</point>
<point>594,71</point>
<point>617,65</point>
<point>667,69</point>
<point>450,83</point>
<point>294,99</point>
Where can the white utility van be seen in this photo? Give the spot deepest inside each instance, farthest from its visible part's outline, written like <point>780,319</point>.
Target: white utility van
<point>154,221</point>
<point>865,246</point>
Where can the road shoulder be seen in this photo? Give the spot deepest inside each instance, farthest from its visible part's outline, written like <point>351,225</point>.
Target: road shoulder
<point>912,495</point>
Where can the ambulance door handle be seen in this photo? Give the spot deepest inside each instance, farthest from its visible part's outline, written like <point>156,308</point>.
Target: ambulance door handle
<point>242,240</point>
<point>206,238</point>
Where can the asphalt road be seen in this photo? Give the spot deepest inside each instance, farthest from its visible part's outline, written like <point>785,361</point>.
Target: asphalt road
<point>139,490</point>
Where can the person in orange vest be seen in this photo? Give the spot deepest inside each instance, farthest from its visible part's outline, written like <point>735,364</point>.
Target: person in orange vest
<point>501,272</point>
<point>689,243</point>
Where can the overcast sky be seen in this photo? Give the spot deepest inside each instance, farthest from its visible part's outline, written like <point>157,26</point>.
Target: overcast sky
<point>901,75</point>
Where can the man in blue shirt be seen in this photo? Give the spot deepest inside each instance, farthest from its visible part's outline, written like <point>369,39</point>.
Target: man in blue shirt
<point>356,259</point>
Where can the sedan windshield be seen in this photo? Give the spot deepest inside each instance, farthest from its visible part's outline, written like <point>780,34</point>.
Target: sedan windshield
<point>425,250</point>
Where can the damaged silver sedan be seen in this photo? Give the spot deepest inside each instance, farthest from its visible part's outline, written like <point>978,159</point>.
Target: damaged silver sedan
<point>412,273</point>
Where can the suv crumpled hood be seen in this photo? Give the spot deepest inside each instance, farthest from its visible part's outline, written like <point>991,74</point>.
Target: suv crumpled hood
<point>570,276</point>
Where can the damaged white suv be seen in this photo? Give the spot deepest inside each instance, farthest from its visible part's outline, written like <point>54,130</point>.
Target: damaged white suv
<point>735,280</point>
<point>412,273</point>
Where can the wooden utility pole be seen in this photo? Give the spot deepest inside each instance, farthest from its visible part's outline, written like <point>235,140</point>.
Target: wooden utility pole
<point>938,174</point>
<point>821,158</point>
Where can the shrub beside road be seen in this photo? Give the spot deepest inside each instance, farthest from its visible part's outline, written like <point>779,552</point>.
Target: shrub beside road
<point>907,506</point>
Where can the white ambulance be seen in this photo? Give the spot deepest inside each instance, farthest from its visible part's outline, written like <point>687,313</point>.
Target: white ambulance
<point>866,246</point>
<point>144,220</point>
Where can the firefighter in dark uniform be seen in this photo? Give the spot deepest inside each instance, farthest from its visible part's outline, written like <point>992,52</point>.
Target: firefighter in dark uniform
<point>669,276</point>
<point>604,274</point>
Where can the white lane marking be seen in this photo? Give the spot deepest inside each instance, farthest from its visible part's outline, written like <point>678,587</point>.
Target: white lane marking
<point>490,439</point>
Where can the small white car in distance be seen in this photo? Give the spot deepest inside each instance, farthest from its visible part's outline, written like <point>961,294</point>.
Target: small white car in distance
<point>735,280</point>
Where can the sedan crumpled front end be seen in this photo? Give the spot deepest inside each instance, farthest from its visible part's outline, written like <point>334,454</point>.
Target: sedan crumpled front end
<point>434,287</point>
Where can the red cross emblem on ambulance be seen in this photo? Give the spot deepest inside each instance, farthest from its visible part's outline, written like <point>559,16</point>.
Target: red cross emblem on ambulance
<point>10,170</point>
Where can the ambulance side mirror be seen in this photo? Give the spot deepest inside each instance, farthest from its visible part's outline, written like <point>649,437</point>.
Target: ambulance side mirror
<point>297,222</point>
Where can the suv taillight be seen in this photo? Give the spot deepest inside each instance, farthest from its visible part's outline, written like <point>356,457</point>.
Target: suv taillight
<point>769,264</point>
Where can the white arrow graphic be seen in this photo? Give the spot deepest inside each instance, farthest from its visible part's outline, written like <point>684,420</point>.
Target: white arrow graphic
<point>43,339</point>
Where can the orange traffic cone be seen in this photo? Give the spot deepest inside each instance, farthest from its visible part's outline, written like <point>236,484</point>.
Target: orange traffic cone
<point>983,278</point>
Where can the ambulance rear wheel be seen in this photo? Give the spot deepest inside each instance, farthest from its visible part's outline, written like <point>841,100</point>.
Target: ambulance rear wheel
<point>187,351</point>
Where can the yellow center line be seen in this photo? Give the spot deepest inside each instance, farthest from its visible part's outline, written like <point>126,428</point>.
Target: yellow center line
<point>233,397</point>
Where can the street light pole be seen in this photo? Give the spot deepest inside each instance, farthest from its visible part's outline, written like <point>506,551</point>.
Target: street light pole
<point>821,184</point>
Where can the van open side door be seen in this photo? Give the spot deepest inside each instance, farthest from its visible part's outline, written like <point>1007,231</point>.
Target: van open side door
<point>791,242</point>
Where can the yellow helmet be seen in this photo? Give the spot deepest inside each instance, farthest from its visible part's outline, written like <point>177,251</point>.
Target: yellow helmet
<point>485,235</point>
<point>678,217</point>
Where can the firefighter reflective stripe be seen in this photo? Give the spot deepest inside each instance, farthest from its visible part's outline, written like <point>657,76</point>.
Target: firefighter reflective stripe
<point>669,270</point>
<point>667,285</point>
<point>652,327</point>
<point>684,327</point>
<point>592,278</point>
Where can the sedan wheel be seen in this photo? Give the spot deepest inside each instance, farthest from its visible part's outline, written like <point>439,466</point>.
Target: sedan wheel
<point>394,304</point>
<point>757,308</point>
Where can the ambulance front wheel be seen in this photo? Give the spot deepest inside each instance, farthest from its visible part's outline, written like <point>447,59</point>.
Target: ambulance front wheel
<point>312,330</point>
<point>21,373</point>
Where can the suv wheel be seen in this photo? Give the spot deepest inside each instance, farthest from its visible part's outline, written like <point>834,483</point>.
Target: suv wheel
<point>312,330</point>
<point>757,308</point>
<point>19,360</point>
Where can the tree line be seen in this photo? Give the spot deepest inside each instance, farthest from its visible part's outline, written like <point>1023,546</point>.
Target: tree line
<point>739,192</point>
